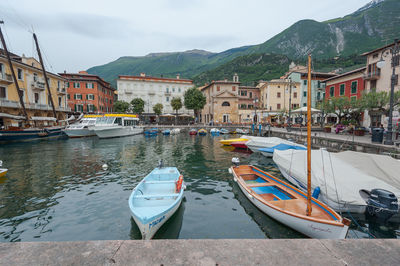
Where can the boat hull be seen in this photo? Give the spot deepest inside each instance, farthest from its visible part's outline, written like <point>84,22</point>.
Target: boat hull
<point>3,172</point>
<point>239,145</point>
<point>149,229</point>
<point>228,142</point>
<point>115,132</point>
<point>267,154</point>
<point>79,133</point>
<point>27,135</point>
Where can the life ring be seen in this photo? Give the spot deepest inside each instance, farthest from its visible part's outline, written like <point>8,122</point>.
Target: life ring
<point>179,184</point>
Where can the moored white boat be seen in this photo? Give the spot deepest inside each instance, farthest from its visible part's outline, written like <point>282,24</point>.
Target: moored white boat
<point>175,131</point>
<point>117,125</point>
<point>155,199</point>
<point>81,128</point>
<point>3,171</point>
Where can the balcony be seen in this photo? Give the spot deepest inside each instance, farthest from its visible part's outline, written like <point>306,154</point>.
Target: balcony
<point>38,85</point>
<point>7,103</point>
<point>61,91</point>
<point>6,78</point>
<point>167,93</point>
<point>374,75</point>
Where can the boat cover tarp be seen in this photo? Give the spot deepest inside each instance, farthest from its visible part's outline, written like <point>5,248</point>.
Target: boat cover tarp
<point>268,142</point>
<point>329,168</point>
<point>281,147</point>
<point>382,167</point>
<point>43,118</point>
<point>16,117</point>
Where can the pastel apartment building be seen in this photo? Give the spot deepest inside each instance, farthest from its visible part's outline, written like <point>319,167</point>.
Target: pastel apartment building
<point>36,98</point>
<point>88,93</point>
<point>153,90</point>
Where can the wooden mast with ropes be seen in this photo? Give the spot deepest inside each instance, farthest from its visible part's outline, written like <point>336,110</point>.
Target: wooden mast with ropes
<point>19,91</point>
<point>309,206</point>
<point>45,76</point>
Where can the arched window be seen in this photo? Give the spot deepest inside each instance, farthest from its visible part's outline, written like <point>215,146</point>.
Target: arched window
<point>226,104</point>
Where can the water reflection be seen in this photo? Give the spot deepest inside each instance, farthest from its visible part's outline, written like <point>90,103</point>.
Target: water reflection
<point>58,191</point>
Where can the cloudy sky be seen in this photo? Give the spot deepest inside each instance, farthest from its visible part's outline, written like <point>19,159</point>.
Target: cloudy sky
<point>78,34</point>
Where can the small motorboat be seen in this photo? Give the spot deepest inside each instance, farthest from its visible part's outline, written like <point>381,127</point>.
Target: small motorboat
<point>155,199</point>
<point>202,132</point>
<point>116,125</point>
<point>151,132</point>
<point>287,204</point>
<point>175,131</point>
<point>239,145</point>
<point>224,131</point>
<point>269,152</point>
<point>193,132</point>
<point>166,132</point>
<point>3,171</point>
<point>230,141</point>
<point>242,131</point>
<point>215,132</point>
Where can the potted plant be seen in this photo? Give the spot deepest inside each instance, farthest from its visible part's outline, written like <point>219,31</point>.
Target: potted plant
<point>328,128</point>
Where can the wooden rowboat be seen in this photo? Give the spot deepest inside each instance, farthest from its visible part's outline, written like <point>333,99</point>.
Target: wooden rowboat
<point>155,199</point>
<point>3,172</point>
<point>288,204</point>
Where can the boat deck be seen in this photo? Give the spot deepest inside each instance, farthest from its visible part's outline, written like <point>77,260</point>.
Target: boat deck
<point>274,193</point>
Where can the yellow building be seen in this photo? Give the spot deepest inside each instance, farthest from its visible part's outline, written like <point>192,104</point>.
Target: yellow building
<point>31,81</point>
<point>222,102</point>
<point>276,96</point>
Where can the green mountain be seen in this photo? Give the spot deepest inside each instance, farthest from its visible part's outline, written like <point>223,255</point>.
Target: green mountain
<point>250,68</point>
<point>371,26</point>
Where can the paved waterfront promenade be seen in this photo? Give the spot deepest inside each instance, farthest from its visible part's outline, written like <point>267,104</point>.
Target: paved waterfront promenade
<point>203,252</point>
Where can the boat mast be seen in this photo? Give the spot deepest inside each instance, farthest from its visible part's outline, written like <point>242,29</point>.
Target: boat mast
<point>45,75</point>
<point>20,96</point>
<point>309,207</point>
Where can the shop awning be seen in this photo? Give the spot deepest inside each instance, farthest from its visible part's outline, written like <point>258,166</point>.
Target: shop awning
<point>16,117</point>
<point>43,118</point>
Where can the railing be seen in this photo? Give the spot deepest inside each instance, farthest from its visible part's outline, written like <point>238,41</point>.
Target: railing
<point>6,77</point>
<point>7,103</point>
<point>372,75</point>
<point>61,90</point>
<point>38,85</point>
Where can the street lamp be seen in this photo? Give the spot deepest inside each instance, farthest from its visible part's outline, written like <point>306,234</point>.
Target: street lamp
<point>395,61</point>
<point>290,101</point>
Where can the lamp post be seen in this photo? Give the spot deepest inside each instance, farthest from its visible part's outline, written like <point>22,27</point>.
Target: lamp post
<point>395,61</point>
<point>255,101</point>
<point>290,102</point>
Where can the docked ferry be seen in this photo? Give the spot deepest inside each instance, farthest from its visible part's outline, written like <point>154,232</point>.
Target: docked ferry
<point>82,128</point>
<point>116,125</point>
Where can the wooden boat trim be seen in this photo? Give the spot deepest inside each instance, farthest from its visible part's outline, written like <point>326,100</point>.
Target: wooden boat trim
<point>334,215</point>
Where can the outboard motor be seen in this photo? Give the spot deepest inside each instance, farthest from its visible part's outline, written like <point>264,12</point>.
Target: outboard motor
<point>381,203</point>
<point>235,161</point>
<point>161,163</point>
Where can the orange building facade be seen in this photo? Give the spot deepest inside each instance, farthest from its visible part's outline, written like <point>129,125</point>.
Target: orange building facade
<point>88,93</point>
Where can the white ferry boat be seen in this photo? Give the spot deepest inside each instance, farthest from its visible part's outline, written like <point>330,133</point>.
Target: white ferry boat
<point>82,128</point>
<point>117,125</point>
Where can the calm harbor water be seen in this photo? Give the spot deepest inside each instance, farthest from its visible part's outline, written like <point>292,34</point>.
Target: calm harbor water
<point>57,191</point>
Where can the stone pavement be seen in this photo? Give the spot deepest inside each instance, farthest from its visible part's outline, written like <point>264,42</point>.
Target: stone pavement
<point>203,252</point>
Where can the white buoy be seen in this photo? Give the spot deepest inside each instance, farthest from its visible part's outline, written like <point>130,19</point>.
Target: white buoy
<point>105,166</point>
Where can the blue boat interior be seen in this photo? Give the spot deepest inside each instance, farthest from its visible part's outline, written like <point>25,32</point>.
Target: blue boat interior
<point>264,188</point>
<point>156,193</point>
<point>282,147</point>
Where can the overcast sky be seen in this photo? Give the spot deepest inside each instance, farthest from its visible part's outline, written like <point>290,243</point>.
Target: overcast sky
<point>78,34</point>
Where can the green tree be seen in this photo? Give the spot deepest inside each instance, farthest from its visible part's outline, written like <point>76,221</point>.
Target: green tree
<point>137,105</point>
<point>158,108</point>
<point>194,100</point>
<point>121,107</point>
<point>176,104</point>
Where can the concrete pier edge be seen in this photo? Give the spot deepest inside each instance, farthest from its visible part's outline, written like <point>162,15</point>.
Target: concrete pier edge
<point>204,252</point>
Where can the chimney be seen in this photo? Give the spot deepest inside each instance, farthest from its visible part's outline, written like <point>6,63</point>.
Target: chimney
<point>178,76</point>
<point>83,72</point>
<point>142,74</point>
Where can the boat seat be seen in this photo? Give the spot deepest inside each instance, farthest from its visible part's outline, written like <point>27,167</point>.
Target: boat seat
<point>155,196</point>
<point>159,182</point>
<point>259,185</point>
